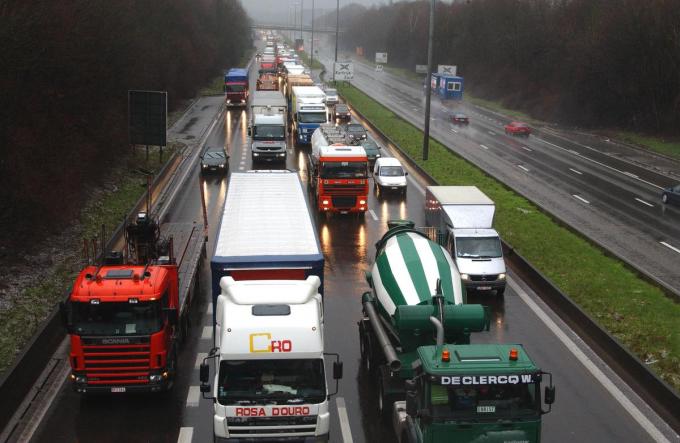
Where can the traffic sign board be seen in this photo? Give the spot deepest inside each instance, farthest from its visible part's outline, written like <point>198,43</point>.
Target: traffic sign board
<point>343,71</point>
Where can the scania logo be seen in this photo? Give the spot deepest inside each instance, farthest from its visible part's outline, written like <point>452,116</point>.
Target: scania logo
<point>115,341</point>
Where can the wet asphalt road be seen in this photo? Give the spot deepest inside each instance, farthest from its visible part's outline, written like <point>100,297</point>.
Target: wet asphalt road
<point>608,191</point>
<point>584,411</point>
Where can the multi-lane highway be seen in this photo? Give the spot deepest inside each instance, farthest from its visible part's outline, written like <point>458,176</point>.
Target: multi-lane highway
<point>592,405</point>
<point>608,191</point>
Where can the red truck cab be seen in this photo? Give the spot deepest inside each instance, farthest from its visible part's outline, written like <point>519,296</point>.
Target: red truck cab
<point>121,320</point>
<point>340,178</point>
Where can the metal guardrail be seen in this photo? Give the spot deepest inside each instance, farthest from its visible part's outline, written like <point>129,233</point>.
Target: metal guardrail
<point>660,396</point>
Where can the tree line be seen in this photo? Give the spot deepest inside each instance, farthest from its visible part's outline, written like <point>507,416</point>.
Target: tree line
<point>604,63</point>
<point>65,72</point>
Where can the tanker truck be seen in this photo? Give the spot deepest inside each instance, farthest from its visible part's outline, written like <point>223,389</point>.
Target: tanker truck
<point>431,382</point>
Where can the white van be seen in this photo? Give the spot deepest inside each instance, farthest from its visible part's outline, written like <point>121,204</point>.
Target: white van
<point>389,175</point>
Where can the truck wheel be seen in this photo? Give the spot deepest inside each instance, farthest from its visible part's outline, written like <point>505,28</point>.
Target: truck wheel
<point>365,349</point>
<point>500,292</point>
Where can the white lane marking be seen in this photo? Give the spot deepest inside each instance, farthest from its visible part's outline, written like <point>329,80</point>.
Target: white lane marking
<point>644,202</point>
<point>527,149</point>
<point>574,170</point>
<point>522,168</point>
<point>242,163</point>
<point>600,163</point>
<point>345,429</point>
<point>199,359</point>
<point>615,392</point>
<point>581,198</point>
<point>209,309</point>
<point>241,168</point>
<point>375,217</point>
<point>415,109</point>
<point>491,132</point>
<point>670,246</point>
<point>193,397</point>
<point>453,130</point>
<point>185,435</point>
<point>484,147</point>
<point>207,333</point>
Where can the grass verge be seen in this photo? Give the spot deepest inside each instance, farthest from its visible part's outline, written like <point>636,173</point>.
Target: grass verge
<point>634,311</point>
<point>127,184</point>
<point>670,148</point>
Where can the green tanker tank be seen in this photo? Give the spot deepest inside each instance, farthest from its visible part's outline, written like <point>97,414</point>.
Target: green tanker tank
<point>414,342</point>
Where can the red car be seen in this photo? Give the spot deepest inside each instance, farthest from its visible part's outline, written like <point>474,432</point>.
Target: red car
<point>460,119</point>
<point>517,128</point>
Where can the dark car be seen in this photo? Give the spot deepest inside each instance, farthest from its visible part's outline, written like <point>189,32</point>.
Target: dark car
<point>517,128</point>
<point>355,133</point>
<point>671,195</point>
<point>215,160</point>
<point>342,112</point>
<point>459,119</point>
<point>372,150</point>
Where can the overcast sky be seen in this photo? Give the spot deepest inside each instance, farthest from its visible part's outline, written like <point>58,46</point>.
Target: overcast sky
<point>270,10</point>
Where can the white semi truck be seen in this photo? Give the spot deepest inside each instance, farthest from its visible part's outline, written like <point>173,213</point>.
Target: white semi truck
<point>267,129</point>
<point>270,381</point>
<point>464,215</point>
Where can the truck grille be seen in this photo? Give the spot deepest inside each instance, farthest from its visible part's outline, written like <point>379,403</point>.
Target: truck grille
<point>493,277</point>
<point>117,364</point>
<point>272,426</point>
<point>343,201</point>
<point>345,189</point>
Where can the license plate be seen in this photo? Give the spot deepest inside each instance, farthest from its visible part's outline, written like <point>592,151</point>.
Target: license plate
<point>118,389</point>
<point>484,288</point>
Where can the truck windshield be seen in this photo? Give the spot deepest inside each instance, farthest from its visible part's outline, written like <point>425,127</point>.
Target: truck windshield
<point>478,247</point>
<point>312,117</point>
<point>279,381</point>
<point>117,318</point>
<point>343,170</point>
<point>234,88</point>
<point>269,132</point>
<point>484,402</point>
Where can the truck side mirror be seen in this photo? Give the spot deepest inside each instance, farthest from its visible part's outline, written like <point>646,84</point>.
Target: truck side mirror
<point>171,313</point>
<point>205,373</point>
<point>549,395</point>
<point>250,131</point>
<point>337,370</point>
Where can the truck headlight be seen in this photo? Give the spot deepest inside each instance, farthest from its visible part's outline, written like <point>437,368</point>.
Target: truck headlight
<point>228,101</point>
<point>222,166</point>
<point>362,202</point>
<point>324,202</point>
<point>282,154</point>
<point>155,378</point>
<point>79,379</point>
<point>501,276</point>
<point>464,277</point>
<point>255,154</point>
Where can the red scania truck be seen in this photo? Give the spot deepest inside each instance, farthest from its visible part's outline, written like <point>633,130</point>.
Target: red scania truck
<point>126,316</point>
<point>338,172</point>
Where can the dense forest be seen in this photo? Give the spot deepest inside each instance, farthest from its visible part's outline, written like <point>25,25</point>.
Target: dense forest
<point>612,63</point>
<point>65,72</point>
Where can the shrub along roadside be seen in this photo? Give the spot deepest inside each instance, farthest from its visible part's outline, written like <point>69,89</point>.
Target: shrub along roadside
<point>126,184</point>
<point>634,311</point>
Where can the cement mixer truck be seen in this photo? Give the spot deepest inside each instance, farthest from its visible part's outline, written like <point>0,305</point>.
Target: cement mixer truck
<point>414,340</point>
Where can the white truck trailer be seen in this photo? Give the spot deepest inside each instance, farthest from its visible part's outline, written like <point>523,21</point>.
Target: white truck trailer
<point>267,129</point>
<point>464,215</point>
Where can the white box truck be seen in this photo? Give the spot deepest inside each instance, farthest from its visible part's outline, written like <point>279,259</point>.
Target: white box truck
<point>267,129</point>
<point>464,216</point>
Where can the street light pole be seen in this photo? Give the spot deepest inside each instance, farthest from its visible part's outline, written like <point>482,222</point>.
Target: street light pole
<point>311,52</point>
<point>302,7</point>
<point>337,27</point>
<point>428,82</point>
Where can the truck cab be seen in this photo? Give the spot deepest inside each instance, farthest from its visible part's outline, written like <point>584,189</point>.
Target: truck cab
<point>236,88</point>
<point>268,138</point>
<point>339,177</point>
<point>270,380</point>
<point>310,111</point>
<point>473,392</point>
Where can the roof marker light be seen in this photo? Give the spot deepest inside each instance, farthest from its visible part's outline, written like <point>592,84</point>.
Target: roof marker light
<point>446,356</point>
<point>513,354</point>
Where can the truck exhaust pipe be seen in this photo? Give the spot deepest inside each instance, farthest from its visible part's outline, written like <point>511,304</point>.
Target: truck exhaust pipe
<point>388,350</point>
<point>440,330</point>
